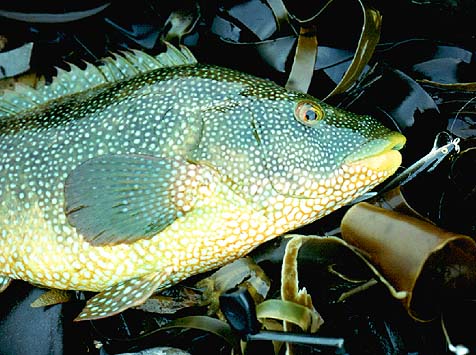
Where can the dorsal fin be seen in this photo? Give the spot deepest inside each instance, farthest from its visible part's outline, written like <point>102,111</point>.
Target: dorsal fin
<point>121,66</point>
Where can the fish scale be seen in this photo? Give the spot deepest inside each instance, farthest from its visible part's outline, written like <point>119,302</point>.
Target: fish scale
<point>143,174</point>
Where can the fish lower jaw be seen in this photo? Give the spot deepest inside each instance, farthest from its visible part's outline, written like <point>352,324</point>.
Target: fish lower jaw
<point>385,163</point>
<point>351,182</point>
<point>346,184</point>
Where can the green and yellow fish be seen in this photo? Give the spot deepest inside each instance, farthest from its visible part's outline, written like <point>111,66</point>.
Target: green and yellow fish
<point>131,176</point>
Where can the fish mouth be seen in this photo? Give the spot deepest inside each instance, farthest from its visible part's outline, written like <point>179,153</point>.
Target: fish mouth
<point>381,155</point>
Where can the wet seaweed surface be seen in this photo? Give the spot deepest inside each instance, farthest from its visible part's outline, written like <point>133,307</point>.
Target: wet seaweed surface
<point>420,80</point>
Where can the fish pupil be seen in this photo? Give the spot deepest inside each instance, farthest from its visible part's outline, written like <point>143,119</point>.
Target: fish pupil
<point>311,115</point>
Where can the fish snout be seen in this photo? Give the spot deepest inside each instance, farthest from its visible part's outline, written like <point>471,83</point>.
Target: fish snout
<point>380,155</point>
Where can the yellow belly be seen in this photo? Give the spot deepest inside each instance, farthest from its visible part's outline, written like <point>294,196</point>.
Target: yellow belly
<point>55,256</point>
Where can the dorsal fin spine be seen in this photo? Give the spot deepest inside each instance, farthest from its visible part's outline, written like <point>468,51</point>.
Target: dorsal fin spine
<point>117,67</point>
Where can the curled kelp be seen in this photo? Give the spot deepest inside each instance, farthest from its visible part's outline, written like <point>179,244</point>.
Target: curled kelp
<point>242,272</point>
<point>317,273</point>
<point>429,265</point>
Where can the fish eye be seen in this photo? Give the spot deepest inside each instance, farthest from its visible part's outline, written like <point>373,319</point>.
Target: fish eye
<point>308,113</point>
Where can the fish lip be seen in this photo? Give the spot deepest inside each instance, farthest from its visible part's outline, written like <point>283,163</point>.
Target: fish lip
<point>381,154</point>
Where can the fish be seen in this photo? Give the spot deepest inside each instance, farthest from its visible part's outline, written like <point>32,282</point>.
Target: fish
<point>130,176</point>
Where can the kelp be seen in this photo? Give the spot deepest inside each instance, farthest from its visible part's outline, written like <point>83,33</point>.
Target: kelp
<point>457,194</point>
<point>52,297</point>
<point>369,39</point>
<point>208,324</point>
<point>430,265</point>
<point>177,331</point>
<point>306,31</point>
<point>172,300</point>
<point>333,274</point>
<point>251,322</point>
<point>15,61</point>
<point>45,13</point>
<point>394,200</point>
<point>181,21</point>
<point>291,292</point>
<point>304,60</point>
<point>244,272</point>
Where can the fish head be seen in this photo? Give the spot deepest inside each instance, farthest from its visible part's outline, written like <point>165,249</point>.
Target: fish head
<point>312,149</point>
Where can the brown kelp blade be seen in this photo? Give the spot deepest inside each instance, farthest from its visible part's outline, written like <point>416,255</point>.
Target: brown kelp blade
<point>431,265</point>
<point>369,39</point>
<point>395,200</point>
<point>290,290</point>
<point>242,272</point>
<point>304,60</point>
<point>172,300</point>
<point>52,297</point>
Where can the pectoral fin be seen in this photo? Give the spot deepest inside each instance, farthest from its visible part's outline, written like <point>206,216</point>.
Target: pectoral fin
<point>122,296</point>
<point>123,198</point>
